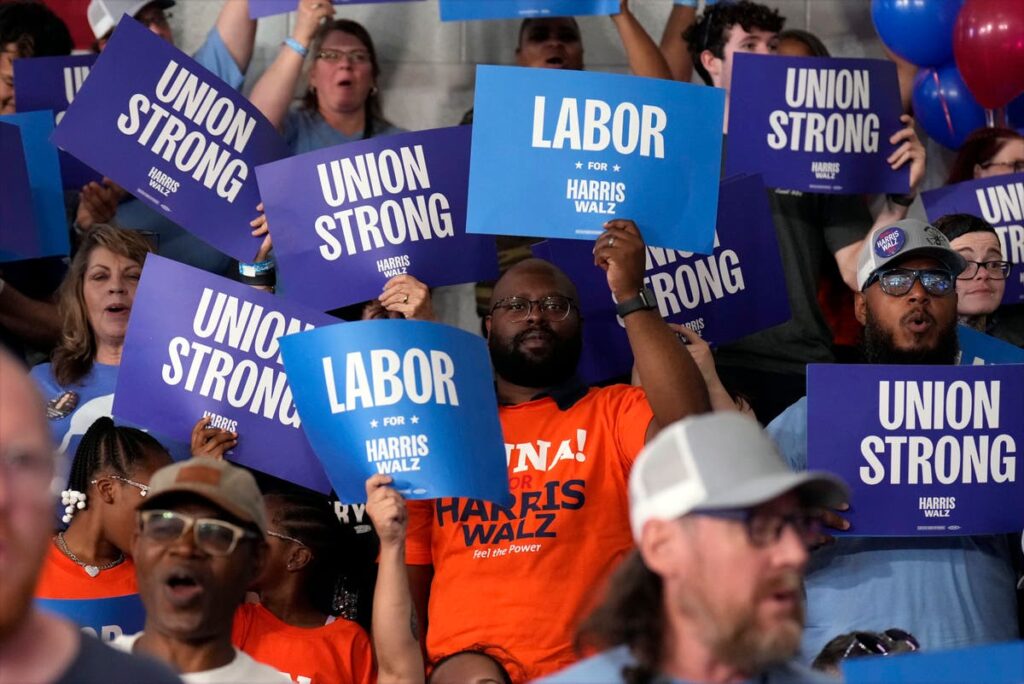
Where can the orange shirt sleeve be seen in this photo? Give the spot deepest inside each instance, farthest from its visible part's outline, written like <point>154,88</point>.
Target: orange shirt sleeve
<point>363,669</point>
<point>633,415</point>
<point>417,538</point>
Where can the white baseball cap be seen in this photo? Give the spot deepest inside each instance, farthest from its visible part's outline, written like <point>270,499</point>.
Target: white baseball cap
<point>717,461</point>
<point>104,14</point>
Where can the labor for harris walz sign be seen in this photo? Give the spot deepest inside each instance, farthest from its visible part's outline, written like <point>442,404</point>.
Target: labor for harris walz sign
<point>1000,201</point>
<point>926,450</point>
<point>174,135</point>
<point>815,124</point>
<point>201,345</point>
<point>559,153</point>
<point>410,399</point>
<point>371,210</point>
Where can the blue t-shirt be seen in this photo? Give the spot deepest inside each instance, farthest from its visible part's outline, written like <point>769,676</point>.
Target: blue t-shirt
<point>304,131</point>
<point>606,668</point>
<point>949,592</point>
<point>173,241</point>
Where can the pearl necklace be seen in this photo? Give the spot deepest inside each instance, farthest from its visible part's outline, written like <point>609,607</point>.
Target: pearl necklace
<point>90,570</point>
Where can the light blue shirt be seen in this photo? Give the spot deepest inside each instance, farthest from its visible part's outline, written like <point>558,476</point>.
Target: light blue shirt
<point>606,668</point>
<point>949,592</point>
<point>304,131</point>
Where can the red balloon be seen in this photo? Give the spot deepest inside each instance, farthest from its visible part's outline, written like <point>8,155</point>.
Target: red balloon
<point>988,44</point>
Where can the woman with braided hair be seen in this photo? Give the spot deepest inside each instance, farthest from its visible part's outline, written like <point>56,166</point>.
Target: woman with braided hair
<point>109,477</point>
<point>296,627</point>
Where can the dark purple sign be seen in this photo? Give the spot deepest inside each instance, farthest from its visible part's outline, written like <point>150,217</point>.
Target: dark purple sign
<point>52,83</point>
<point>174,135</point>
<point>364,212</point>
<point>18,236</point>
<point>201,345</point>
<point>926,450</point>
<point>816,124</point>
<point>1000,201</point>
<point>737,290</point>
<point>266,8</point>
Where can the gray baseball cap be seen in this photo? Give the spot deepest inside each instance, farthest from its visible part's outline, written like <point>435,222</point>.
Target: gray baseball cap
<point>901,240</point>
<point>717,461</point>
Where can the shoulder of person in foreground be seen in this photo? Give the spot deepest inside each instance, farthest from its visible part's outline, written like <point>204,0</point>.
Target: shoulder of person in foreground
<point>604,668</point>
<point>98,663</point>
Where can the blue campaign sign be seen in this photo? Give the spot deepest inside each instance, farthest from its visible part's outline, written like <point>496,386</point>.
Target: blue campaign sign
<point>738,290</point>
<point>201,345</point>
<point>367,211</point>
<point>458,10</point>
<point>51,226</point>
<point>1000,201</point>
<point>104,618</point>
<point>559,153</point>
<point>926,450</point>
<point>411,399</point>
<point>266,8</point>
<point>816,124</point>
<point>52,83</point>
<point>979,349</point>
<point>992,664</point>
<point>174,135</point>
<point>17,218</point>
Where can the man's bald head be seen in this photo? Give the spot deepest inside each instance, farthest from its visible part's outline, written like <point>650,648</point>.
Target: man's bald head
<point>514,281</point>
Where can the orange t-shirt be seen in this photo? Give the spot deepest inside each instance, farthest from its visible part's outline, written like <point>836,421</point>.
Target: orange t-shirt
<point>338,653</point>
<point>522,577</point>
<point>62,578</point>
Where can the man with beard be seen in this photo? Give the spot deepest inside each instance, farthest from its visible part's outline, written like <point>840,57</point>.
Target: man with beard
<point>712,593</point>
<point>538,562</point>
<point>199,545</point>
<point>949,592</point>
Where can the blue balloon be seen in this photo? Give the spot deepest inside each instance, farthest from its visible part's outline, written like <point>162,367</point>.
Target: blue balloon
<point>945,107</point>
<point>919,31</point>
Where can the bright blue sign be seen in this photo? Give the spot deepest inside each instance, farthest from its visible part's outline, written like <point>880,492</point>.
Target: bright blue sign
<point>737,290</point>
<point>411,399</point>
<point>815,124</point>
<point>51,83</point>
<point>43,169</point>
<point>979,349</point>
<point>371,210</point>
<point>559,153</point>
<point>173,135</point>
<point>458,10</point>
<point>926,450</point>
<point>992,664</point>
<point>104,618</point>
<point>1000,201</point>
<point>266,8</point>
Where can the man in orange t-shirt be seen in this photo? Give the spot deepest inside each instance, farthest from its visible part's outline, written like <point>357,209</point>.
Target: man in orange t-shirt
<point>522,577</point>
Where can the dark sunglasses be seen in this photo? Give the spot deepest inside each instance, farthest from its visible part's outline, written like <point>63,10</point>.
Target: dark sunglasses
<point>880,644</point>
<point>897,282</point>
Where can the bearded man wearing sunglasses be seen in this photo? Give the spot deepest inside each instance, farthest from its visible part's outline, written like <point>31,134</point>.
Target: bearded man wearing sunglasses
<point>201,541</point>
<point>950,592</point>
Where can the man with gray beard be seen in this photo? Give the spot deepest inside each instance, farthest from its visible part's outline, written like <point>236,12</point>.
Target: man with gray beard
<point>713,591</point>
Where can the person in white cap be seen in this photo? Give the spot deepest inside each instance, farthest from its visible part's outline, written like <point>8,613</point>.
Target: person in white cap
<point>713,591</point>
<point>950,592</point>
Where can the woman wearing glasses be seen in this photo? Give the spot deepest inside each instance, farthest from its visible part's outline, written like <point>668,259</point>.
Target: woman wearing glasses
<point>988,152</point>
<point>981,285</point>
<point>109,477</point>
<point>341,101</point>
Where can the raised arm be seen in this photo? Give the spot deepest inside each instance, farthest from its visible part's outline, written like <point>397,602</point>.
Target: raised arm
<point>672,381</point>
<point>36,322</point>
<point>673,47</point>
<point>237,31</point>
<point>273,92</point>
<point>395,625</point>
<point>645,59</point>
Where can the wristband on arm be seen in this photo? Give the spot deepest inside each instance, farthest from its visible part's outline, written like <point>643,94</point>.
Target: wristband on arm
<point>297,46</point>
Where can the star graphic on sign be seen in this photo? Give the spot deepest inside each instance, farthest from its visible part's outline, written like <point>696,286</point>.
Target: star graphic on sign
<point>373,423</point>
<point>616,168</point>
<point>415,419</point>
<point>579,165</point>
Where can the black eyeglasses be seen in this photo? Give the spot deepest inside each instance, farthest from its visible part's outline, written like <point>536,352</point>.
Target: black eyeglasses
<point>881,644</point>
<point>215,537</point>
<point>765,529</point>
<point>997,270</point>
<point>899,281</point>
<point>517,309</point>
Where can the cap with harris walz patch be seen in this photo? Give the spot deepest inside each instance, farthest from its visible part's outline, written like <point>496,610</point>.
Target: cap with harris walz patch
<point>901,240</point>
